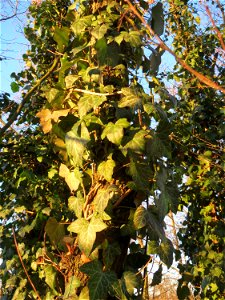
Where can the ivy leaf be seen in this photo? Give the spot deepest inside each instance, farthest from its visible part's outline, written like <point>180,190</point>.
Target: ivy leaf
<point>148,218</point>
<point>45,120</point>
<point>155,60</point>
<point>75,147</point>
<point>101,199</point>
<point>61,36</point>
<point>87,232</point>
<point>132,282</point>
<point>71,286</point>
<point>141,174</point>
<point>137,140</point>
<point>54,230</point>
<point>158,19</point>
<point>131,99</point>
<point>102,49</point>
<point>134,38</point>
<point>81,24</point>
<point>157,277</point>
<point>76,204</point>
<point>100,282</point>
<point>166,252</point>
<point>106,168</point>
<point>99,31</point>
<point>70,79</point>
<point>115,132</point>
<point>110,252</point>
<point>88,102</point>
<point>72,178</point>
<point>50,276</point>
<point>118,290</point>
<point>153,247</point>
<point>14,87</point>
<point>140,217</point>
<point>84,294</point>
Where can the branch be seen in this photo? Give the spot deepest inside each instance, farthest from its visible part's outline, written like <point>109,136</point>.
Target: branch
<point>219,35</point>
<point>198,75</point>
<point>13,15</point>
<point>95,93</point>
<point>26,98</point>
<point>22,263</point>
<point>221,9</point>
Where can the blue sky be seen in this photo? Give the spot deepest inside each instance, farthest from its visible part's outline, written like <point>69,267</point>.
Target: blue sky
<point>12,42</point>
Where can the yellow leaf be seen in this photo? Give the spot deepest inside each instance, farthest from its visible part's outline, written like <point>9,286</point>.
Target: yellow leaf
<point>45,120</point>
<point>59,113</point>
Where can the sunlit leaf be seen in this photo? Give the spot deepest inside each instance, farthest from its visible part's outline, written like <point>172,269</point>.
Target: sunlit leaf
<point>106,168</point>
<point>99,31</point>
<point>54,230</point>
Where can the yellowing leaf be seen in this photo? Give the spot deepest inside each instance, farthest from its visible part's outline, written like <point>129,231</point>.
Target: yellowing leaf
<point>72,178</point>
<point>46,117</point>
<point>45,120</point>
<point>59,113</point>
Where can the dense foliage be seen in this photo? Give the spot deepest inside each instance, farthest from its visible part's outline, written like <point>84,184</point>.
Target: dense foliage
<point>84,194</point>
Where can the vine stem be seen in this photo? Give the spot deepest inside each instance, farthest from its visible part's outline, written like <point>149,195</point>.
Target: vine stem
<point>198,75</point>
<point>22,263</point>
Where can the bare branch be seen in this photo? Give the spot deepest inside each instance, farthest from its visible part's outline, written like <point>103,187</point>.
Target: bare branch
<point>198,75</point>
<point>219,35</point>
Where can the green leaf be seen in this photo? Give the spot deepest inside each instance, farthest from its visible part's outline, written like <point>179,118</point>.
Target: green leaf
<point>118,290</point>
<point>158,19</point>
<point>81,24</point>
<point>166,252</point>
<point>88,102</point>
<point>106,168</point>
<point>50,276</point>
<point>132,282</point>
<point>131,99</point>
<point>75,146</point>
<point>14,87</point>
<point>76,204</point>
<point>140,217</point>
<point>101,200</point>
<point>54,230</point>
<point>72,178</point>
<point>141,174</point>
<point>137,141</point>
<point>153,247</point>
<point>115,132</point>
<point>99,31</point>
<point>134,38</point>
<point>61,36</point>
<point>102,49</point>
<point>110,252</point>
<point>87,232</point>
<point>71,286</point>
<point>100,282</point>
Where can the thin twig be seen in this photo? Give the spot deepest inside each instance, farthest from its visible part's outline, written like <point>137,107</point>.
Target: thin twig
<point>26,98</point>
<point>95,93</point>
<point>198,75</point>
<point>122,197</point>
<point>22,263</point>
<point>221,9</point>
